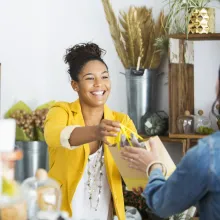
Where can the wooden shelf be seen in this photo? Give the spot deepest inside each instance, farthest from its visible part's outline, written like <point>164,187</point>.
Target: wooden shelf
<point>196,37</point>
<point>187,140</point>
<point>186,136</point>
<point>163,138</point>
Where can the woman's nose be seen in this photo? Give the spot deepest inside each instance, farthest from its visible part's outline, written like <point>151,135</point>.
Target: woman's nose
<point>97,82</point>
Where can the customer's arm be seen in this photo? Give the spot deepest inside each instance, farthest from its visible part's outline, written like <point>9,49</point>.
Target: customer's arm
<point>185,187</point>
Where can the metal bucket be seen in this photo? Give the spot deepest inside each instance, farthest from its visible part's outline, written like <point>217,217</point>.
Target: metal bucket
<point>35,156</point>
<point>141,94</point>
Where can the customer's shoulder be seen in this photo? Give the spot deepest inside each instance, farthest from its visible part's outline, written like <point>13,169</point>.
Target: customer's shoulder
<point>206,144</point>
<point>211,140</point>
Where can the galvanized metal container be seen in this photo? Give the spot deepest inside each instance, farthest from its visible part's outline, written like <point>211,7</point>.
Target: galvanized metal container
<point>141,94</point>
<point>35,156</point>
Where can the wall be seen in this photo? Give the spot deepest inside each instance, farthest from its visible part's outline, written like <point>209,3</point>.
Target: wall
<point>34,36</point>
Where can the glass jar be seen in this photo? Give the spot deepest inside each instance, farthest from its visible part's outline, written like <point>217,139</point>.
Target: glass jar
<point>202,124</point>
<point>42,194</point>
<point>185,123</point>
<point>12,203</point>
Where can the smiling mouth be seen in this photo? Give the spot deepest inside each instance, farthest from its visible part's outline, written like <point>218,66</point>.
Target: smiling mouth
<point>98,93</point>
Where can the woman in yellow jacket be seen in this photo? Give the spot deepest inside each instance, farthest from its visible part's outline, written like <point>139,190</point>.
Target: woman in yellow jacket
<point>78,135</point>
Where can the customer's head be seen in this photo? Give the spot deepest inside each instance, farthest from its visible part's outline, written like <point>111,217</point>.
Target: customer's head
<point>89,73</point>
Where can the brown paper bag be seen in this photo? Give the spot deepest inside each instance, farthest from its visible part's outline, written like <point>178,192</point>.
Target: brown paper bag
<point>134,178</point>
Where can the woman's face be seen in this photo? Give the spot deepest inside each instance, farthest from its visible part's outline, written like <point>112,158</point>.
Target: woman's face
<point>93,84</point>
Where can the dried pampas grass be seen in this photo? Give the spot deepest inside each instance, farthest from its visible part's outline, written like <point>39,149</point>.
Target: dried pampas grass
<point>134,35</point>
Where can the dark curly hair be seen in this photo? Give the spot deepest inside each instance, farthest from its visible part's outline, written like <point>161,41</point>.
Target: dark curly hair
<point>77,56</point>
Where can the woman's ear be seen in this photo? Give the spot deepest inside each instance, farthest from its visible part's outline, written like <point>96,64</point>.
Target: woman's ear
<point>74,85</point>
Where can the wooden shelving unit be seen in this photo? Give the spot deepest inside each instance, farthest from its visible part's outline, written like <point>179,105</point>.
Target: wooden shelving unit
<point>187,140</point>
<point>163,138</point>
<point>181,81</point>
<point>190,139</point>
<point>181,87</point>
<point>186,136</point>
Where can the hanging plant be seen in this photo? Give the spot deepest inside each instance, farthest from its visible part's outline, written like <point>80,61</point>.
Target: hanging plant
<point>190,16</point>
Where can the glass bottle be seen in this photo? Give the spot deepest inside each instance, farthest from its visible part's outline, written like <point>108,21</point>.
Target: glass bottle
<point>202,124</point>
<point>42,194</point>
<point>185,123</point>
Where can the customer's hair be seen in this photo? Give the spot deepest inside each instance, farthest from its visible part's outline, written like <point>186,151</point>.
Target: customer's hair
<point>77,56</point>
<point>217,101</point>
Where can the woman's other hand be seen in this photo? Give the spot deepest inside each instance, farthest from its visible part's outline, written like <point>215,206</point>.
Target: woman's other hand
<point>140,158</point>
<point>107,128</point>
<point>138,191</point>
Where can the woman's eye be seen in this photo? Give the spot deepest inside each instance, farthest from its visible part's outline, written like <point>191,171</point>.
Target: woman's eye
<point>105,77</point>
<point>90,78</point>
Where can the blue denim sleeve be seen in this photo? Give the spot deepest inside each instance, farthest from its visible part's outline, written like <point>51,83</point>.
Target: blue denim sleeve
<point>184,188</point>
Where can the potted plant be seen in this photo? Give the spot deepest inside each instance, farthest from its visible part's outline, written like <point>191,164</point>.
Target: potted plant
<point>134,33</point>
<point>29,137</point>
<point>191,16</point>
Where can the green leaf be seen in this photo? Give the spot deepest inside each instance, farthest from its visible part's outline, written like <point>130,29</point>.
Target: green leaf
<point>46,105</point>
<point>18,106</point>
<point>20,135</point>
<point>40,135</point>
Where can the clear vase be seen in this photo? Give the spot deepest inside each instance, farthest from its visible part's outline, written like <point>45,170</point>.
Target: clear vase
<point>12,203</point>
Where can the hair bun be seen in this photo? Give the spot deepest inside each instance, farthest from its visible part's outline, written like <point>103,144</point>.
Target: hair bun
<point>83,49</point>
<point>77,56</point>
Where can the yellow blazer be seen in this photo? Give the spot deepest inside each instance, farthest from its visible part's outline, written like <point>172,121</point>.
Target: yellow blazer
<point>67,166</point>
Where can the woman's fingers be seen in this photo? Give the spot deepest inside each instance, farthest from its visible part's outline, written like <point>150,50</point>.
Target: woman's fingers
<point>141,189</point>
<point>130,158</point>
<point>105,141</point>
<point>153,145</point>
<point>111,123</point>
<point>137,191</point>
<point>133,150</point>
<point>128,154</point>
<point>108,134</point>
<point>133,163</point>
<point>110,128</point>
<point>133,166</point>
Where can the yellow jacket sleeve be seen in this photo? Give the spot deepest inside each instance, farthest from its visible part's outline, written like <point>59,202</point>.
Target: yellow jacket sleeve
<point>56,121</point>
<point>129,123</point>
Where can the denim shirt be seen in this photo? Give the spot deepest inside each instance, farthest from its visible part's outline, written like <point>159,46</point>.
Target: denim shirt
<point>196,181</point>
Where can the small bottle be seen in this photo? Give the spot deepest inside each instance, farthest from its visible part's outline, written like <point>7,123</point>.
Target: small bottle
<point>202,124</point>
<point>42,194</point>
<point>185,123</point>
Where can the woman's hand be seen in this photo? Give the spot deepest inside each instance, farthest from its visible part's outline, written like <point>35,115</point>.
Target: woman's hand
<point>138,191</point>
<point>107,128</point>
<point>140,158</point>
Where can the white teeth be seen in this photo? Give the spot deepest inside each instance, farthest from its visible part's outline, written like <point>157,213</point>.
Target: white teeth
<point>98,93</point>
